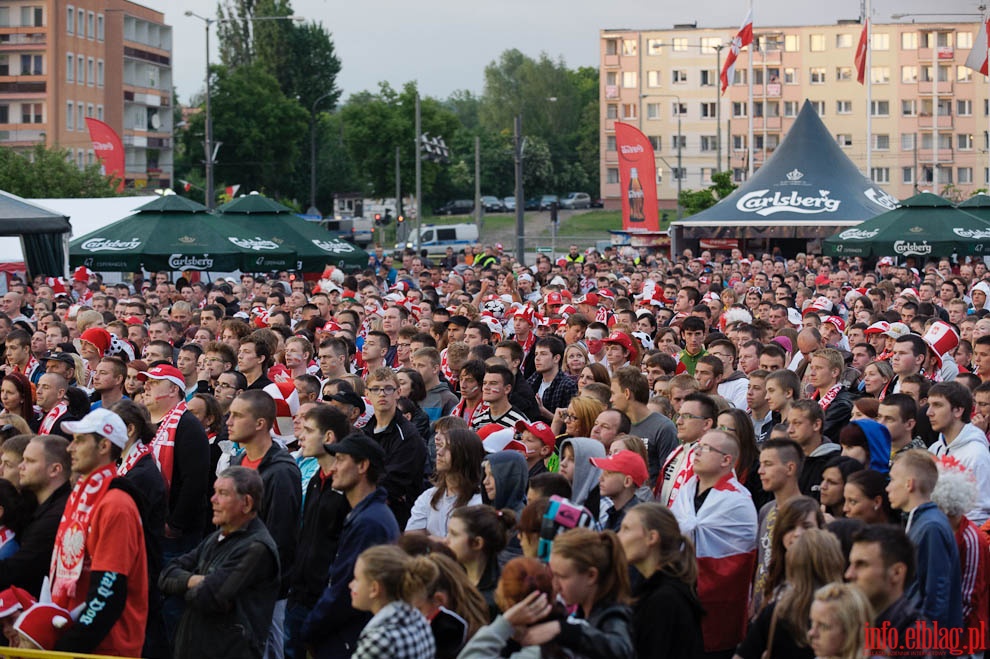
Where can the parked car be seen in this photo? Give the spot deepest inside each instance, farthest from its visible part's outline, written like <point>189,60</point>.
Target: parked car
<point>576,200</point>
<point>532,204</point>
<point>509,203</point>
<point>436,238</point>
<point>597,202</point>
<point>548,199</point>
<point>457,207</point>
<point>492,204</point>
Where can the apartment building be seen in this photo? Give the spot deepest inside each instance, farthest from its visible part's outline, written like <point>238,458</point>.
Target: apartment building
<point>63,61</point>
<point>929,112</point>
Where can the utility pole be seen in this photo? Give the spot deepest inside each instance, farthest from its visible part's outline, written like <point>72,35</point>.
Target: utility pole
<point>718,109</point>
<point>478,209</point>
<point>520,199</point>
<point>419,172</point>
<point>398,197</point>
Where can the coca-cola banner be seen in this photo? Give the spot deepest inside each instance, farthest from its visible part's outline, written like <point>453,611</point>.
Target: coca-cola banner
<point>638,179</point>
<point>109,149</point>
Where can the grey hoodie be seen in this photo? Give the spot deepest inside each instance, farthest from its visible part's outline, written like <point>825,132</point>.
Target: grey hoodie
<point>586,475</point>
<point>970,448</point>
<point>511,479</point>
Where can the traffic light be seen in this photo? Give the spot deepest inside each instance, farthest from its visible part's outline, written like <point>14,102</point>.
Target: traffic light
<point>401,219</point>
<point>388,217</point>
<point>553,212</point>
<point>378,219</point>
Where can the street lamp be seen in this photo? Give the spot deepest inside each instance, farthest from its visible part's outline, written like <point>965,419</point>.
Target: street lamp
<point>312,149</point>
<point>680,146</point>
<point>208,137</point>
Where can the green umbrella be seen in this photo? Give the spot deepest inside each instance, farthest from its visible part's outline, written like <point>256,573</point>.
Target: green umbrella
<point>175,233</point>
<point>314,246</point>
<point>923,225</point>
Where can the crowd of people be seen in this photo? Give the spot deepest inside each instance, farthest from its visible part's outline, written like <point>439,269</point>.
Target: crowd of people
<point>613,454</point>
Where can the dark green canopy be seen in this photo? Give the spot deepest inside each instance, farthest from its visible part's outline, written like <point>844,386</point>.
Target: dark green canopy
<point>42,232</point>
<point>315,248</point>
<point>923,225</point>
<point>175,233</point>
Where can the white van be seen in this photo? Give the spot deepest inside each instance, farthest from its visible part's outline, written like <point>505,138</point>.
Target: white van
<point>436,238</point>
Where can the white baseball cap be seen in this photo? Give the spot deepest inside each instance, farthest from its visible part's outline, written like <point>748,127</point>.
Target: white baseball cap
<point>103,423</point>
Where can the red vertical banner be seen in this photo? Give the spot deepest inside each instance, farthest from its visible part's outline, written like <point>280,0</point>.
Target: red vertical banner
<point>109,148</point>
<point>637,178</point>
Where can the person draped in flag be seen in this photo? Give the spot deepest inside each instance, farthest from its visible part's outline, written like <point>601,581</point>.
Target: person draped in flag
<point>717,513</point>
<point>742,39</point>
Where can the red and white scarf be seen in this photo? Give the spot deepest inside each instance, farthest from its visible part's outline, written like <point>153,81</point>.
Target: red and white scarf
<point>70,540</point>
<point>829,396</point>
<point>29,368</point>
<point>136,452</point>
<point>163,445</point>
<point>528,344</point>
<point>53,415</point>
<point>6,535</point>
<point>685,470</point>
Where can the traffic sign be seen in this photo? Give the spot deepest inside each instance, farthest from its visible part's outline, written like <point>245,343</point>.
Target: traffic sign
<point>544,250</point>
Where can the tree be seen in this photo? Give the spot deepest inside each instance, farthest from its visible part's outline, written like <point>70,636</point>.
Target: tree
<point>695,201</point>
<point>44,173</point>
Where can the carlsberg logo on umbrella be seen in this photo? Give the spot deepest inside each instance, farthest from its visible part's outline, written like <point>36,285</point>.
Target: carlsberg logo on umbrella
<point>757,202</point>
<point>858,234</point>
<point>334,247</point>
<point>189,262</point>
<point>975,234</point>
<point>907,247</point>
<point>104,245</point>
<point>255,243</point>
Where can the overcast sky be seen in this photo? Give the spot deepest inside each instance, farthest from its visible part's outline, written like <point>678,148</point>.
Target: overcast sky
<point>445,45</point>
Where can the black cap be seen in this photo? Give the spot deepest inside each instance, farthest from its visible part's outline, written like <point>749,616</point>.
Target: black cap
<point>58,357</point>
<point>463,321</point>
<point>360,447</point>
<point>348,398</point>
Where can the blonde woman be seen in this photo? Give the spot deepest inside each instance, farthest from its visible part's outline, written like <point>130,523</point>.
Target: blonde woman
<point>839,614</point>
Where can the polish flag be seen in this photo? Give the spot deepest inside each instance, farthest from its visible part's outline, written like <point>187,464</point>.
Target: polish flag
<point>286,405</point>
<point>742,39</point>
<point>861,53</point>
<point>977,59</point>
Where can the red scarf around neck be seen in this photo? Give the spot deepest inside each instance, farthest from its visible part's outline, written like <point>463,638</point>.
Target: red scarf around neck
<point>163,445</point>
<point>53,415</point>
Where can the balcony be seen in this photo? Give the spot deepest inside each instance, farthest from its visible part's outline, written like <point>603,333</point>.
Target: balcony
<point>767,123</point>
<point>28,42</point>
<point>946,156</point>
<point>945,88</point>
<point>943,54</point>
<point>611,61</point>
<point>24,88</point>
<point>928,121</point>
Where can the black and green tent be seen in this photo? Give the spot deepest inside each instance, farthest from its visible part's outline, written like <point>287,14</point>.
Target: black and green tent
<point>43,233</point>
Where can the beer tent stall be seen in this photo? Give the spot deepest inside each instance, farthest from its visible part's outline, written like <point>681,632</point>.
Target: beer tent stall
<point>43,233</point>
<point>804,192</point>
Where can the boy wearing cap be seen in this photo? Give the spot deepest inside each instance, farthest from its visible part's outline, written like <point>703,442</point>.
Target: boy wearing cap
<point>540,441</point>
<point>100,559</point>
<point>622,474</point>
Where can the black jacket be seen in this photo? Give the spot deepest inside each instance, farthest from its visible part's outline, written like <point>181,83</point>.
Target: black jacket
<point>30,565</point>
<point>405,460</point>
<point>606,634</point>
<point>189,495</point>
<point>838,413</point>
<point>229,613</point>
<point>149,487</point>
<point>667,619</point>
<point>322,522</point>
<point>280,503</point>
<point>523,398</point>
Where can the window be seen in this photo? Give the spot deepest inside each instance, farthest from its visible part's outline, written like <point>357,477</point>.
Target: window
<point>99,112</point>
<point>938,39</point>
<point>611,47</point>
<point>964,142</point>
<point>964,39</point>
<point>612,175</point>
<point>791,108</point>
<point>31,65</point>
<point>709,44</point>
<point>881,142</point>
<point>70,67</point>
<point>4,114</point>
<point>678,172</point>
<point>629,46</point>
<point>817,43</point>
<point>89,110</point>
<point>843,73</point>
<point>80,70</point>
<point>909,41</point>
<point>70,21</point>
<point>880,174</point>
<point>4,65</point>
<point>680,44</point>
<point>738,175</point>
<point>709,78</point>
<point>818,75</point>
<point>907,141</point>
<point>819,107</point>
<point>880,75</point>
<point>772,42</point>
<point>739,76</point>
<point>880,41</point>
<point>880,108</point>
<point>843,41</point>
<point>656,142</point>
<point>99,73</point>
<point>843,107</point>
<point>844,140</point>
<point>909,74</point>
<point>757,109</point>
<point>70,123</point>
<point>611,111</point>
<point>610,142</point>
<point>611,78</point>
<point>964,74</point>
<point>909,108</point>
<point>80,116</point>
<point>629,111</point>
<point>678,140</point>
<point>81,24</point>
<point>652,110</point>
<point>629,79</point>
<point>964,108</point>
<point>90,25</point>
<point>90,72</point>
<point>653,79</point>
<point>792,43</point>
<point>679,109</point>
<point>927,74</point>
<point>773,108</point>
<point>738,109</point>
<point>964,175</point>
<point>679,76</point>
<point>31,113</point>
<point>738,142</point>
<point>907,175</point>
<point>709,143</point>
<point>790,76</point>
<point>32,17</point>
<point>99,27</point>
<point>654,47</point>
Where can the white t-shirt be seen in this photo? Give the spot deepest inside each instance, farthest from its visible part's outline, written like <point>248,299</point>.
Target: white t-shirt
<point>425,516</point>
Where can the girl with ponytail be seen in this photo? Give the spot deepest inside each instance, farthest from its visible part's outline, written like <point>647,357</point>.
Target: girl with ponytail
<point>388,582</point>
<point>666,613</point>
<point>589,571</point>
<point>476,535</point>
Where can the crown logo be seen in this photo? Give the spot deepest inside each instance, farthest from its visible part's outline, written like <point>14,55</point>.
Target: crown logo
<point>916,229</point>
<point>794,175</point>
<point>187,239</point>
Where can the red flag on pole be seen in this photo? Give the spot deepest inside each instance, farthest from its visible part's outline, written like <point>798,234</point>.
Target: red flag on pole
<point>977,59</point>
<point>743,38</point>
<point>861,53</point>
<point>108,147</point>
<point>638,179</point>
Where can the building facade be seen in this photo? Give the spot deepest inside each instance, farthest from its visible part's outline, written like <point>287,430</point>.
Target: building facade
<point>63,61</point>
<point>929,112</point>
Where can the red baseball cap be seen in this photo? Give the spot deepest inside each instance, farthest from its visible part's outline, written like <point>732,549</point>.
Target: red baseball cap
<point>588,298</point>
<point>623,340</point>
<point>540,430</point>
<point>626,462</point>
<point>554,299</point>
<point>164,372</point>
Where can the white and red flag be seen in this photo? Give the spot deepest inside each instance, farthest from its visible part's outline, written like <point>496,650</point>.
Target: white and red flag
<point>861,52</point>
<point>977,59</point>
<point>743,38</point>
